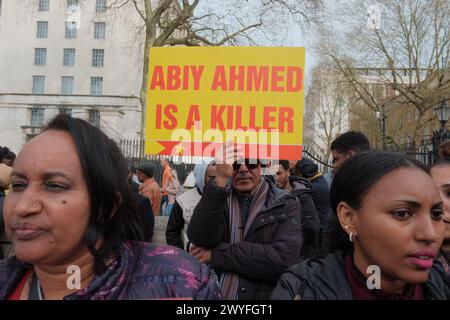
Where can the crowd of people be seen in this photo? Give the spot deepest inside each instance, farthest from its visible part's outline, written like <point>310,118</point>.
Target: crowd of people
<point>239,234</point>
<point>7,158</point>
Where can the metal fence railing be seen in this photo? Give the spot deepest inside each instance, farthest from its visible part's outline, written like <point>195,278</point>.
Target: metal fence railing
<point>134,152</point>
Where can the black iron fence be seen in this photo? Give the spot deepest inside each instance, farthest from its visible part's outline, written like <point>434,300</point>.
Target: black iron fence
<point>182,169</point>
<point>133,150</point>
<point>423,155</point>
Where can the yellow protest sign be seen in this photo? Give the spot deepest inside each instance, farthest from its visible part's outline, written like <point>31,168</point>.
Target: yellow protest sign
<point>203,96</point>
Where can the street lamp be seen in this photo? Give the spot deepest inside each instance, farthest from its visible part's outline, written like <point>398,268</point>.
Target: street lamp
<point>443,113</point>
<point>382,116</point>
<point>439,136</point>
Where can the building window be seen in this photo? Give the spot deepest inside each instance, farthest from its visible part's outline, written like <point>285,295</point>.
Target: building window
<point>69,57</point>
<point>66,85</point>
<point>94,117</point>
<point>38,84</point>
<point>100,6</point>
<point>37,116</point>
<point>40,56</point>
<point>99,30</point>
<point>71,3</point>
<point>42,29</point>
<point>67,111</point>
<point>96,86</point>
<point>71,30</point>
<point>97,57</point>
<point>44,5</point>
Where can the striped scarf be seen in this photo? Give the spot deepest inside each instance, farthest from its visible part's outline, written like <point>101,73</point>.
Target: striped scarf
<point>229,281</point>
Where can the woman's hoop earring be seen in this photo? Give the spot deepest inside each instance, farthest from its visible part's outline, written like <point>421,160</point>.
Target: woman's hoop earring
<point>350,236</point>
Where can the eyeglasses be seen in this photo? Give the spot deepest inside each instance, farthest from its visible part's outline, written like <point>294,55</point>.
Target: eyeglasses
<point>249,163</point>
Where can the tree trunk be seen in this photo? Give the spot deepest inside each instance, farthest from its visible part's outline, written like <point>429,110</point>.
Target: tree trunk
<point>143,93</point>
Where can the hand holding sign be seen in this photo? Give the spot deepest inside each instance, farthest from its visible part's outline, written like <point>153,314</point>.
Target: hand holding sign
<point>226,155</point>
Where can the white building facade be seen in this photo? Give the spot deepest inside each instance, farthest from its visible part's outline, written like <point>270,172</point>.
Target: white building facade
<point>68,56</point>
<point>326,111</point>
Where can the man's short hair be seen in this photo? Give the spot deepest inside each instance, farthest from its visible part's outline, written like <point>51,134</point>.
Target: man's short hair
<point>3,152</point>
<point>284,164</point>
<point>351,140</point>
<point>147,169</point>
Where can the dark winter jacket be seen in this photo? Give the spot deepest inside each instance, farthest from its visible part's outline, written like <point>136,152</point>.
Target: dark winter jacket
<point>142,271</point>
<point>175,226</point>
<point>145,209</point>
<point>302,190</point>
<point>321,198</point>
<point>444,261</point>
<point>326,279</point>
<point>272,244</point>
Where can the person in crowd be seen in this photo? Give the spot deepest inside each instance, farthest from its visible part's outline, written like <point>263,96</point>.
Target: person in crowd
<point>173,189</point>
<point>390,231</point>
<point>293,166</point>
<point>444,151</point>
<point>176,231</point>
<point>302,189</point>
<point>267,171</point>
<point>189,182</point>
<point>149,187</point>
<point>8,158</point>
<point>343,147</point>
<point>5,169</point>
<point>249,233</point>
<point>70,211</point>
<point>320,193</point>
<point>166,178</point>
<point>134,178</point>
<point>440,171</point>
<point>144,206</point>
<point>5,173</point>
<point>329,177</point>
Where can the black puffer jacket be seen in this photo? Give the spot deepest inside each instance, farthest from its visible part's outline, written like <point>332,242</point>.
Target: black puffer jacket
<point>302,190</point>
<point>272,244</point>
<point>325,279</point>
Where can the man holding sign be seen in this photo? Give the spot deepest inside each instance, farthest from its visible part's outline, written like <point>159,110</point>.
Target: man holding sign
<point>249,233</point>
<point>198,99</point>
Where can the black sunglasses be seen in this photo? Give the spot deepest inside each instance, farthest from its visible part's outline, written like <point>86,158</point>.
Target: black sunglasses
<point>249,163</point>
